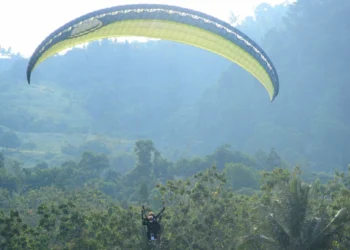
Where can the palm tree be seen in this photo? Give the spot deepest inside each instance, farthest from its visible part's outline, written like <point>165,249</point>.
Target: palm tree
<point>289,223</point>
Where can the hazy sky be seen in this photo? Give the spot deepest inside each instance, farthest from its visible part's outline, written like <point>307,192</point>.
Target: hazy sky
<point>25,23</point>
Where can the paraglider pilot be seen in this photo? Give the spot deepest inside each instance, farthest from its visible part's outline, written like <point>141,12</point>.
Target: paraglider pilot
<point>152,221</point>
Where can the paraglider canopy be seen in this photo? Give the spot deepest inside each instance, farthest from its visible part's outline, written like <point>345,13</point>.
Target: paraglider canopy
<point>163,22</point>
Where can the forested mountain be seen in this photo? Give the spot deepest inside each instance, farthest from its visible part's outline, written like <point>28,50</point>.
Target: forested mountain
<point>180,95</point>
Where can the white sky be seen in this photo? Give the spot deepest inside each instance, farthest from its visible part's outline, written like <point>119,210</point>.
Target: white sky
<point>25,23</point>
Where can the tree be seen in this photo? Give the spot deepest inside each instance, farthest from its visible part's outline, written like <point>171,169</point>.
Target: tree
<point>290,222</point>
<point>144,150</point>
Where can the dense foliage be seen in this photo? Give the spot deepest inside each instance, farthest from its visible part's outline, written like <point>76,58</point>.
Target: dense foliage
<point>229,205</point>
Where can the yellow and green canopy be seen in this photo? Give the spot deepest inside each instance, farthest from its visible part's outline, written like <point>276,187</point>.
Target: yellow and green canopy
<point>163,22</point>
